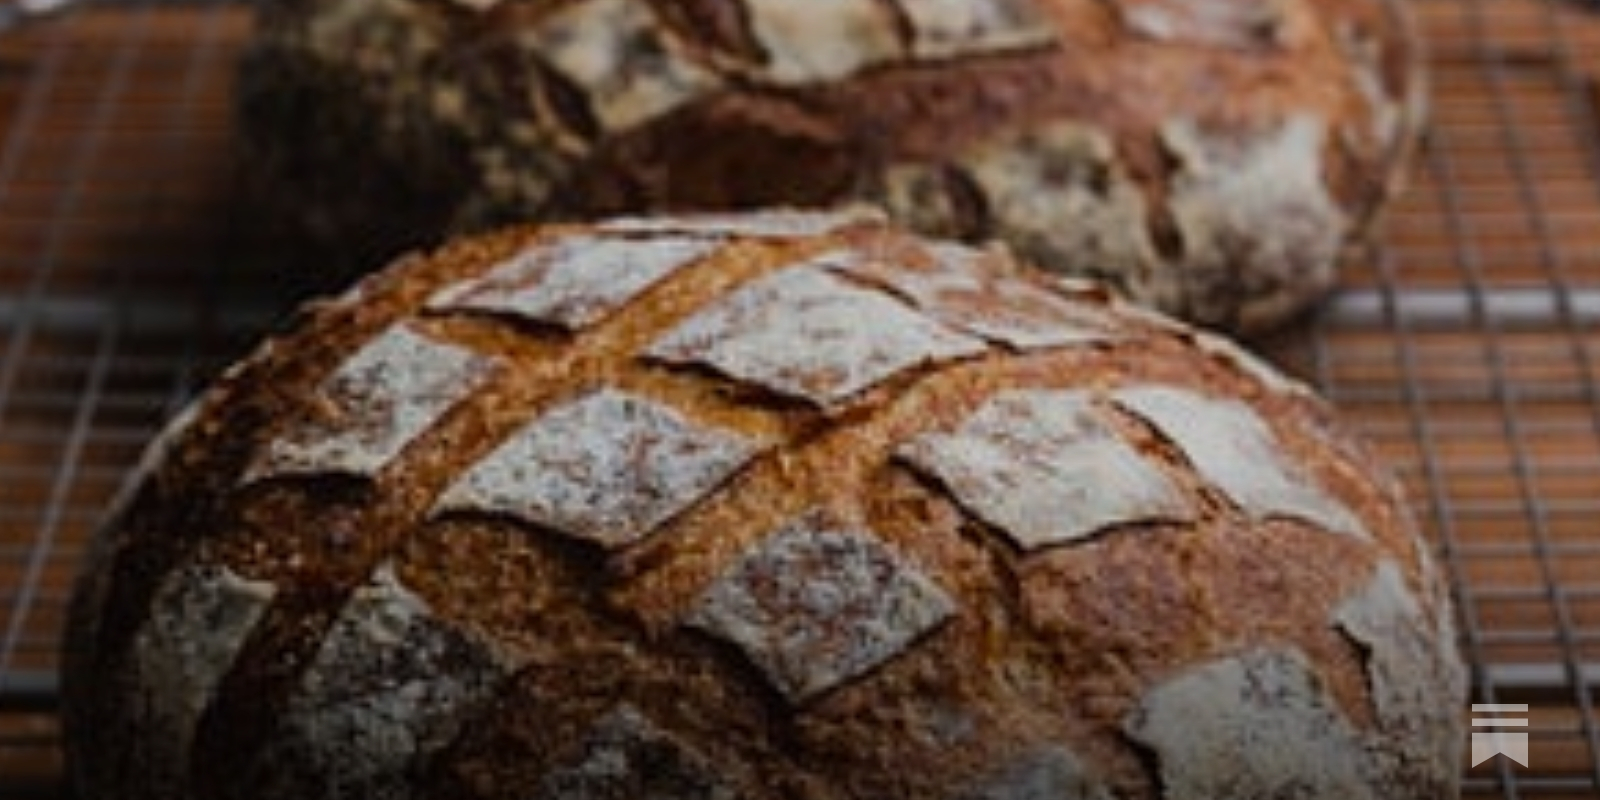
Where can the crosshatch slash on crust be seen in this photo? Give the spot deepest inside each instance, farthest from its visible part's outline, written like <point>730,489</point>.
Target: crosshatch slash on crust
<point>950,284</point>
<point>818,603</point>
<point>391,391</point>
<point>608,468</point>
<point>390,684</point>
<point>1231,446</point>
<point>625,754</point>
<point>805,333</point>
<point>1046,469</point>
<point>575,281</point>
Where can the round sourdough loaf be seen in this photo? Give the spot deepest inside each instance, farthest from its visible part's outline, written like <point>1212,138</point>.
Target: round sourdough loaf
<point>1215,158</point>
<point>790,505</point>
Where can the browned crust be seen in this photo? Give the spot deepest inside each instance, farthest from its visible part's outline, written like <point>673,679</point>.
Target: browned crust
<point>525,140</point>
<point>1081,629</point>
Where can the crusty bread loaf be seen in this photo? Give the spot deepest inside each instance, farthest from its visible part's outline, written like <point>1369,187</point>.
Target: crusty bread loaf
<point>791,505</point>
<point>1215,158</point>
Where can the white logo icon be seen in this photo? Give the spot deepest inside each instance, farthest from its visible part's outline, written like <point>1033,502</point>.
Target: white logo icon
<point>1487,744</point>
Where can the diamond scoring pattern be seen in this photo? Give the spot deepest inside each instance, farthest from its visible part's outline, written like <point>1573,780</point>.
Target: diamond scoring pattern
<point>805,333</point>
<point>390,685</point>
<point>573,282</point>
<point>818,603</point>
<point>1255,724</point>
<point>953,285</point>
<point>607,468</point>
<point>1232,447</point>
<point>382,398</point>
<point>1045,469</point>
<point>625,754</point>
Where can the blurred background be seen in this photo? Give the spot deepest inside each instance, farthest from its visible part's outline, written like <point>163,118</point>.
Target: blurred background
<point>1467,347</point>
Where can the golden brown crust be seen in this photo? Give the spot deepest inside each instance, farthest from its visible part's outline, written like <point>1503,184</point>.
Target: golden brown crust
<point>462,117</point>
<point>958,657</point>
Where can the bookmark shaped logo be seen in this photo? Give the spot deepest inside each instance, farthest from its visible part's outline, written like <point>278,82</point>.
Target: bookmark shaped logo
<point>1486,744</point>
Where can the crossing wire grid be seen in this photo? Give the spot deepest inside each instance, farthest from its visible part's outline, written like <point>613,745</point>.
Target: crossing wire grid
<point>1464,348</point>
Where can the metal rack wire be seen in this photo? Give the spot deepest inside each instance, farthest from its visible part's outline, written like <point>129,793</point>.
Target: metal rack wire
<point>1468,352</point>
<point>120,289</point>
<point>1467,349</point>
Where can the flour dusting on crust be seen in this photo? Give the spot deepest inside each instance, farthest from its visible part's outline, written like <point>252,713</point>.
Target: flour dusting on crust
<point>606,468</point>
<point>200,618</point>
<point>817,604</point>
<point>953,28</point>
<point>787,223</point>
<point>1233,448</point>
<point>625,755</point>
<point>377,402</point>
<point>629,70</point>
<point>805,333</point>
<point>820,40</point>
<point>1405,674</point>
<point>956,286</point>
<point>573,282</point>
<point>1049,772</point>
<point>1046,469</point>
<point>390,685</point>
<point>1259,724</point>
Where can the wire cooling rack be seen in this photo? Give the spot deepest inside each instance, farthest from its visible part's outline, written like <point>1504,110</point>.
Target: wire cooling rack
<point>1466,348</point>
<point>121,288</point>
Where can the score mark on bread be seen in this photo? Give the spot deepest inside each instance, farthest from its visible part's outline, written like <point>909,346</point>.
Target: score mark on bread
<point>1217,158</point>
<point>809,505</point>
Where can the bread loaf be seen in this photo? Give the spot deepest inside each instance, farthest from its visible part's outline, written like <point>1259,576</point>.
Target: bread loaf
<point>1214,158</point>
<point>789,505</point>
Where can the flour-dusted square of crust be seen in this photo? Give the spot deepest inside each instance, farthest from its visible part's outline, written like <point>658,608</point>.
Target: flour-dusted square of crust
<point>820,40</point>
<point>1045,469</point>
<point>607,468</point>
<point>573,282</point>
<point>201,616</point>
<point>805,333</point>
<point>1405,672</point>
<point>1233,448</point>
<point>954,286</point>
<point>387,394</point>
<point>390,684</point>
<point>816,604</point>
<point>1256,724</point>
<point>953,28</point>
<point>625,754</point>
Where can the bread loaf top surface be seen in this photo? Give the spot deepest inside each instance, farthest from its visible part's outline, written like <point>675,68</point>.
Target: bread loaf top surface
<point>780,505</point>
<point>1213,158</point>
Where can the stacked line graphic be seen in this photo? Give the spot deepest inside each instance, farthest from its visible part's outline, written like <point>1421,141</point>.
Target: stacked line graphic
<point>1495,739</point>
